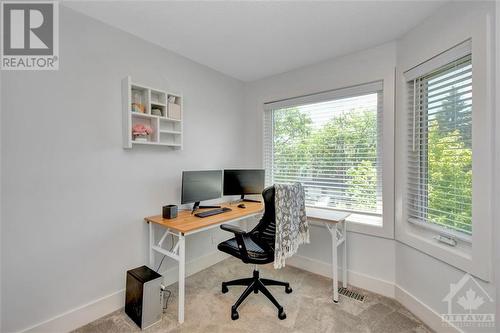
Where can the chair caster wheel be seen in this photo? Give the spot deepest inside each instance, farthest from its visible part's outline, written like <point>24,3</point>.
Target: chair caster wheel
<point>224,289</point>
<point>282,315</point>
<point>234,315</point>
<point>288,290</point>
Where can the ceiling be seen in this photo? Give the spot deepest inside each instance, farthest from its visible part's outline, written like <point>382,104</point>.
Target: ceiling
<point>253,40</point>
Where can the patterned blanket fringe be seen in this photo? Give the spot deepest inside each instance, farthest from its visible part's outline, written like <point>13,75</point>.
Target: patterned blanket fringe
<point>289,251</point>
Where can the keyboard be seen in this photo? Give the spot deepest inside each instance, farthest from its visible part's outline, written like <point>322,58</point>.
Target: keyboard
<point>213,212</point>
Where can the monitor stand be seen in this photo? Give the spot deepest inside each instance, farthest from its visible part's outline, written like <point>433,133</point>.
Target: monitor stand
<point>197,206</point>
<point>248,200</point>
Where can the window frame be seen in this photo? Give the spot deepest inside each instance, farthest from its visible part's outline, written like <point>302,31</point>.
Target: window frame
<point>386,84</point>
<point>471,255</point>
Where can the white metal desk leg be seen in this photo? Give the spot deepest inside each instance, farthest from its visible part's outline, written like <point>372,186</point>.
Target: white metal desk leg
<point>335,277</point>
<point>182,275</point>
<point>344,259</point>
<point>151,244</point>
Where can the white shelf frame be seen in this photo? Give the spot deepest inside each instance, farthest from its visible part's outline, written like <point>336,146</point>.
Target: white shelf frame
<point>167,132</point>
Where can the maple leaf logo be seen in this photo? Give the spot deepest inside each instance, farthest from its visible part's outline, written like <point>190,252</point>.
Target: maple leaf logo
<point>470,301</point>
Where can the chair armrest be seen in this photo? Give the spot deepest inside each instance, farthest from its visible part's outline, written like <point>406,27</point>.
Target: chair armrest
<point>238,235</point>
<point>231,228</point>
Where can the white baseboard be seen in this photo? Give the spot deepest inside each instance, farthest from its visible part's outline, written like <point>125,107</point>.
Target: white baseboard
<point>81,315</point>
<point>424,312</point>
<point>379,286</point>
<point>376,285</point>
<point>98,308</point>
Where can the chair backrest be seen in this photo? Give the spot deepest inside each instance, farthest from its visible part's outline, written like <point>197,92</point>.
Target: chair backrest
<point>265,230</point>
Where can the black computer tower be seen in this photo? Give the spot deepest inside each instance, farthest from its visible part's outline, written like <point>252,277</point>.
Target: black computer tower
<point>143,297</point>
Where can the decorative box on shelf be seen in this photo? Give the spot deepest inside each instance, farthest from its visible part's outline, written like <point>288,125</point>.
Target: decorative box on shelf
<point>174,107</point>
<point>154,109</point>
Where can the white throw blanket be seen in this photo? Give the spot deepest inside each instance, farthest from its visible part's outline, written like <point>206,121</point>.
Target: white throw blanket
<point>292,228</point>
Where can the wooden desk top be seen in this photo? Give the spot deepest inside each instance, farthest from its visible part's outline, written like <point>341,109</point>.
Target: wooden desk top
<point>187,223</point>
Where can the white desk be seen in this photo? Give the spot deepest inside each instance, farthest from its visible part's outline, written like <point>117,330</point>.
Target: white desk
<point>186,224</point>
<point>336,224</point>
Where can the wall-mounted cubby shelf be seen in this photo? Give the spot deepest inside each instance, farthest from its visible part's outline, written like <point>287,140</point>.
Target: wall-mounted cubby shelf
<point>157,110</point>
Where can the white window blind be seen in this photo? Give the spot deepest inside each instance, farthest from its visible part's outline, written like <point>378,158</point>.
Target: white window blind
<point>333,147</point>
<point>439,186</point>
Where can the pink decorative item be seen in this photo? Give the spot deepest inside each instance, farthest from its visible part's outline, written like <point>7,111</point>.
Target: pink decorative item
<point>141,131</point>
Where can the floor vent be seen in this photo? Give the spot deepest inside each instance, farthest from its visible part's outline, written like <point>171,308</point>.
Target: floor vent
<point>351,294</point>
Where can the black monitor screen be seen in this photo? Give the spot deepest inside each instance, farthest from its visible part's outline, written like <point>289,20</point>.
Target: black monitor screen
<point>243,182</point>
<point>201,185</point>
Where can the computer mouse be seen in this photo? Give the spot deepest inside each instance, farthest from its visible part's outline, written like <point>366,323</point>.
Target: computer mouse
<point>241,205</point>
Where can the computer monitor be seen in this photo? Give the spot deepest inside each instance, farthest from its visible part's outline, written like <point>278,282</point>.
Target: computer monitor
<point>201,185</point>
<point>241,182</point>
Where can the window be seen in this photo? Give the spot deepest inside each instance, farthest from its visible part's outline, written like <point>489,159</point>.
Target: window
<point>440,148</point>
<point>331,143</point>
<point>443,159</point>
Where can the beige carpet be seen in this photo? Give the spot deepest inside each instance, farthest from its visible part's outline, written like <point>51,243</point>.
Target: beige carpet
<point>309,308</point>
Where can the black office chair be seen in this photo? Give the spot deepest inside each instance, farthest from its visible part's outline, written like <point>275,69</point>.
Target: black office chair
<point>255,247</point>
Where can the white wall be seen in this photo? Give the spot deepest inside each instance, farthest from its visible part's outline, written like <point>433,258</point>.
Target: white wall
<point>417,273</point>
<point>496,198</point>
<point>371,259</point>
<point>73,198</point>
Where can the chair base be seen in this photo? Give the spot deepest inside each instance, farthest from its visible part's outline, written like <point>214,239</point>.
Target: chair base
<point>256,284</point>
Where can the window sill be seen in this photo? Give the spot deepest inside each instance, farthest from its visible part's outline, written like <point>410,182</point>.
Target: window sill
<point>442,230</point>
<point>423,238</point>
<point>371,220</point>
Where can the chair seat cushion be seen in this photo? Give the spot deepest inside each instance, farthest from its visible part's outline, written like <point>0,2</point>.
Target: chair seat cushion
<point>256,253</point>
